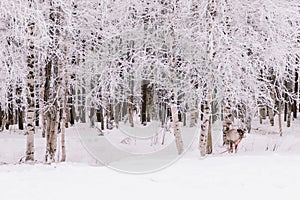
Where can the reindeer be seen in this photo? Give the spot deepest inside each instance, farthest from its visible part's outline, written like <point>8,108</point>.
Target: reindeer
<point>233,137</point>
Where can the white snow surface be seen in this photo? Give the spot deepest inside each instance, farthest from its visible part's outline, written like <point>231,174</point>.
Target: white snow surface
<point>265,167</point>
<point>231,177</point>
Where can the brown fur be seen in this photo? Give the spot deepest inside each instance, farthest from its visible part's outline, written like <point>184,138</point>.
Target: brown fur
<point>233,136</point>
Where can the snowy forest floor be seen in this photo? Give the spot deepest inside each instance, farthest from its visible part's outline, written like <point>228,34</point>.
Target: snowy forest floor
<point>266,166</point>
<point>234,177</point>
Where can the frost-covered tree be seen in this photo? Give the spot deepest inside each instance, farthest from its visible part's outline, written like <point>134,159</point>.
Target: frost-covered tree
<point>30,84</point>
<point>171,61</point>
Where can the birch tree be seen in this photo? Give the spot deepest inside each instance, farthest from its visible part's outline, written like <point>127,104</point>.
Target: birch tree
<point>159,60</point>
<point>30,93</point>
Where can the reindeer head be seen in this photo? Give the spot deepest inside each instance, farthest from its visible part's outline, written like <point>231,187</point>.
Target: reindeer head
<point>241,133</point>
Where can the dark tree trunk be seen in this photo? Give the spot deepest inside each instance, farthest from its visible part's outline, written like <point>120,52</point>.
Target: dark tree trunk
<point>59,119</point>
<point>262,114</point>
<point>162,113</point>
<point>295,109</point>
<point>72,118</point>
<point>20,119</point>
<point>79,109</point>
<point>2,114</point>
<point>10,116</point>
<point>48,71</point>
<point>67,116</point>
<point>131,111</point>
<point>150,104</point>
<point>36,113</point>
<point>100,118</point>
<point>289,114</point>
<point>169,114</point>
<point>124,110</point>
<point>180,116</point>
<point>117,114</point>
<point>131,102</point>
<point>202,110</point>
<point>184,119</point>
<point>285,108</point>
<point>296,88</point>
<point>72,113</point>
<point>144,103</point>
<point>83,110</point>
<point>19,111</point>
<point>92,115</point>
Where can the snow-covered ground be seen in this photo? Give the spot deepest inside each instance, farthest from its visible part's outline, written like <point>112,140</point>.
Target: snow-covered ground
<point>265,167</point>
<point>231,177</point>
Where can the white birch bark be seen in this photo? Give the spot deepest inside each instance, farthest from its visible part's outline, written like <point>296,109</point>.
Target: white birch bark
<point>205,126</point>
<point>227,119</point>
<point>63,128</point>
<point>53,118</point>
<point>174,109</point>
<point>30,96</point>
<point>279,117</point>
<point>193,113</point>
<point>211,13</point>
<point>176,129</point>
<point>64,117</point>
<point>42,94</point>
<point>53,137</point>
